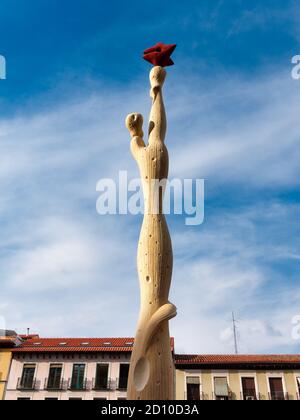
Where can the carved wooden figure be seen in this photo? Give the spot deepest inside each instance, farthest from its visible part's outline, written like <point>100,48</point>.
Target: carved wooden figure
<point>151,375</point>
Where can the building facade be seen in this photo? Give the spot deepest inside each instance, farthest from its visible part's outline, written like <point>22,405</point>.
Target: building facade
<point>8,340</point>
<point>97,369</point>
<point>5,360</point>
<point>204,377</point>
<point>70,369</point>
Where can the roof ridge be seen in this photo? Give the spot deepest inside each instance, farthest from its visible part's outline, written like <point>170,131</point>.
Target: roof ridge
<point>82,338</point>
<point>237,355</point>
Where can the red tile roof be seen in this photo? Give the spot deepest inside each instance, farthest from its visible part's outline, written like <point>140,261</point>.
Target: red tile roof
<point>235,359</point>
<point>38,345</point>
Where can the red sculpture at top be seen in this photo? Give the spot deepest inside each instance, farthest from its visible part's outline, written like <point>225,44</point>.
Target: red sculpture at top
<point>160,54</point>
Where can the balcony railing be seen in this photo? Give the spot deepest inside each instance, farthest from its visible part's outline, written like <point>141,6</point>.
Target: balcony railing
<point>250,396</point>
<point>26,385</point>
<point>202,397</point>
<point>78,386</point>
<point>104,386</point>
<point>54,386</point>
<point>121,384</point>
<point>278,396</point>
<point>226,398</point>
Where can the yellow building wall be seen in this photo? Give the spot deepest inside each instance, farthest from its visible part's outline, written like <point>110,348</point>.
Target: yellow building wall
<point>180,385</point>
<point>235,384</point>
<point>262,385</point>
<point>207,387</point>
<point>234,378</point>
<point>5,360</point>
<point>206,384</point>
<point>290,384</point>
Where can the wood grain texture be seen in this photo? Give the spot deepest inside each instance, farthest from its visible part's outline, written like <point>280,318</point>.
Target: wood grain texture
<point>151,375</point>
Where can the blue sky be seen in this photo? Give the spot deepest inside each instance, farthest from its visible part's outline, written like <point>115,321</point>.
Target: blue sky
<point>74,71</point>
<point>49,41</point>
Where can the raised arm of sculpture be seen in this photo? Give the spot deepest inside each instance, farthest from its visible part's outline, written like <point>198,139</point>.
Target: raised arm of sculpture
<point>151,375</point>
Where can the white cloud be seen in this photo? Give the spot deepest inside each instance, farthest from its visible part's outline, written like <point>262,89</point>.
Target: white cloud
<point>240,131</point>
<point>230,264</point>
<point>55,262</point>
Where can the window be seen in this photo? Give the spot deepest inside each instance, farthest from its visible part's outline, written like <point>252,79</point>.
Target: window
<point>298,383</point>
<point>249,391</point>
<point>101,376</point>
<point>276,389</point>
<point>51,399</point>
<point>75,399</point>
<point>100,399</point>
<point>77,382</point>
<point>123,375</point>
<point>193,388</point>
<point>122,399</point>
<point>23,399</point>
<point>221,388</point>
<point>27,380</point>
<point>54,380</point>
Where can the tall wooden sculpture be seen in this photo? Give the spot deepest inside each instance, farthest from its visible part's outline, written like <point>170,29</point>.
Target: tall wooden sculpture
<point>151,372</point>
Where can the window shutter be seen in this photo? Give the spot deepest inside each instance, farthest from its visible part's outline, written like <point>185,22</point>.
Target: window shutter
<point>194,380</point>
<point>221,387</point>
